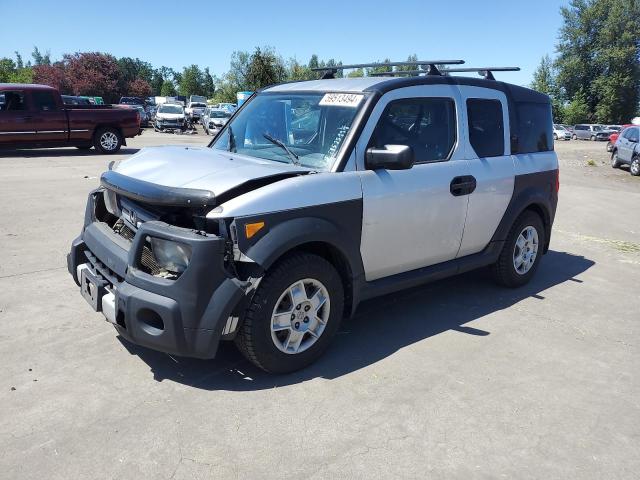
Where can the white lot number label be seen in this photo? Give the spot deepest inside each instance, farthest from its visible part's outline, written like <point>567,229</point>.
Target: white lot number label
<point>341,99</point>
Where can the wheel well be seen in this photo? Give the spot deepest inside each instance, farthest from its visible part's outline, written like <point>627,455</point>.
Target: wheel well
<point>336,258</point>
<point>115,127</point>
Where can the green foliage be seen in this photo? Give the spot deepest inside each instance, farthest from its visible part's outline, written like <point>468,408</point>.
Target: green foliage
<point>358,72</point>
<point>191,81</point>
<point>207,83</point>
<point>577,111</point>
<point>168,89</point>
<point>264,68</point>
<point>599,56</point>
<point>15,71</point>
<point>40,58</point>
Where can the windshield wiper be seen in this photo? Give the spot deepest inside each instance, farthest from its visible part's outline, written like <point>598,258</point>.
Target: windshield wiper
<point>275,141</point>
<point>232,140</point>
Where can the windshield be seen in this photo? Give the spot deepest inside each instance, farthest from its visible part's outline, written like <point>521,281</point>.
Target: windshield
<point>312,127</point>
<point>170,109</point>
<point>597,128</point>
<point>203,105</point>
<point>219,114</point>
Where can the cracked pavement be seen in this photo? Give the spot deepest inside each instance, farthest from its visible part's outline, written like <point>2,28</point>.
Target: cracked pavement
<point>455,379</point>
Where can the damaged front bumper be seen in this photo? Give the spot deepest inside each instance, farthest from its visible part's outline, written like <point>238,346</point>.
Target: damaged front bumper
<point>186,316</point>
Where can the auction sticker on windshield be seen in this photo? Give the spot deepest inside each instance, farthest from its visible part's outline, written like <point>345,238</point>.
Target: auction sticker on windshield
<point>341,99</point>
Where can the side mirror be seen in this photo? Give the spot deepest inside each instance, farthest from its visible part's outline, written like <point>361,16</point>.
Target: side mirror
<point>391,157</point>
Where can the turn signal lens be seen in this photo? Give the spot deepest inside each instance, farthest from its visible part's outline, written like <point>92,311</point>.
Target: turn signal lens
<point>250,229</point>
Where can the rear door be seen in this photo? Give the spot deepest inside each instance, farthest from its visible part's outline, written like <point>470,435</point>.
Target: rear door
<point>16,121</point>
<point>49,118</point>
<point>490,163</point>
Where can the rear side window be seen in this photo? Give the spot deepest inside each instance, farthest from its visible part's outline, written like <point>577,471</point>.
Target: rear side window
<point>486,127</point>
<point>535,127</point>
<point>427,125</point>
<point>44,100</point>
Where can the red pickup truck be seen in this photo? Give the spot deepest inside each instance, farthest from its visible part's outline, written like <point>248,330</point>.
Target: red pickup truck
<point>34,116</point>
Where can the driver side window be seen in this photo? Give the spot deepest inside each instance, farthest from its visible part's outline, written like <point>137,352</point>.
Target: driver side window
<point>427,125</point>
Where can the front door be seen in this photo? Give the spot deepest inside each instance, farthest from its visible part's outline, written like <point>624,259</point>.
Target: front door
<point>414,218</point>
<point>16,121</point>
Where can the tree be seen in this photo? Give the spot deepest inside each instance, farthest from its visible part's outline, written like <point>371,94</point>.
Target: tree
<point>93,73</point>
<point>577,111</point>
<point>139,88</point>
<point>39,58</point>
<point>192,81</point>
<point>168,89</point>
<point>599,55</point>
<point>207,84</point>
<point>358,72</point>
<point>52,75</point>
<point>10,72</point>
<point>264,68</point>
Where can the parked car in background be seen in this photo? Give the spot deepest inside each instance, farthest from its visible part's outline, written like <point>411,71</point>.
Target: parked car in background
<point>614,137</point>
<point>626,150</point>
<point>194,111</point>
<point>170,116</point>
<point>214,120</point>
<point>131,101</point>
<point>144,116</point>
<point>590,131</point>
<point>34,116</point>
<point>75,100</point>
<point>229,107</point>
<point>569,128</point>
<point>561,133</point>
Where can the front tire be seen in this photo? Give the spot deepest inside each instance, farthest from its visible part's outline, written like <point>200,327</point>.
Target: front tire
<point>593,138</point>
<point>293,315</point>
<point>521,252</point>
<point>575,137</point>
<point>107,140</point>
<point>634,168</point>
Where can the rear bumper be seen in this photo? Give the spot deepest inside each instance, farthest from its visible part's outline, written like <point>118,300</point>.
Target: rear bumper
<point>185,317</point>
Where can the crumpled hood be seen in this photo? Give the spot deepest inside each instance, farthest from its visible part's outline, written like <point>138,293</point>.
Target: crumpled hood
<point>201,168</point>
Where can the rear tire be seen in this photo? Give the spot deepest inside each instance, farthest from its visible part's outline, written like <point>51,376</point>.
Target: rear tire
<point>593,138</point>
<point>278,335</point>
<point>615,162</point>
<point>634,168</point>
<point>107,140</point>
<point>521,252</point>
<point>575,137</point>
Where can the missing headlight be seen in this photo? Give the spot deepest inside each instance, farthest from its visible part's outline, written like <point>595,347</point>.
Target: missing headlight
<point>165,258</point>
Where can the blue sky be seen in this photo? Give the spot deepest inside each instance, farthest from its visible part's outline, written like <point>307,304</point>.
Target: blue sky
<point>175,34</point>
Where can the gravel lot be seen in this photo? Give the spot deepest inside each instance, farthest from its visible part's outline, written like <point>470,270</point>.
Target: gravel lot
<point>456,379</point>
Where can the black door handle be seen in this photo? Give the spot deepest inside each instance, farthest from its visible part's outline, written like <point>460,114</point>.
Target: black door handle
<point>463,185</point>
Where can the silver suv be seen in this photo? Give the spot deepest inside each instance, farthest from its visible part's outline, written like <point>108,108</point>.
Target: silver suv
<point>316,196</point>
<point>626,150</point>
<point>590,132</point>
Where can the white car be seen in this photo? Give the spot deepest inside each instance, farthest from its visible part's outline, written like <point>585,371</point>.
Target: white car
<point>170,116</point>
<point>195,110</point>
<point>214,119</point>
<point>561,133</point>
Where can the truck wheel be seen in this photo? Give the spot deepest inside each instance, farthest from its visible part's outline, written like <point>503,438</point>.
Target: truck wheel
<point>521,252</point>
<point>293,315</point>
<point>615,161</point>
<point>634,168</point>
<point>107,140</point>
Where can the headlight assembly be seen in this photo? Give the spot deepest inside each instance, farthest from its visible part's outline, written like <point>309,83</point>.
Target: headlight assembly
<point>171,256</point>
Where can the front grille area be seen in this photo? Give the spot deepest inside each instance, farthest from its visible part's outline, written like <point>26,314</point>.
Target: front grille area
<point>123,230</point>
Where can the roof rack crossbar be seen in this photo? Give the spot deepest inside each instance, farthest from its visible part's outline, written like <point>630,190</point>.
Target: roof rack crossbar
<point>485,72</point>
<point>387,64</point>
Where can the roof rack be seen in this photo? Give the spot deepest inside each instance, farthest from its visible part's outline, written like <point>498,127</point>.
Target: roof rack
<point>486,72</point>
<point>331,70</point>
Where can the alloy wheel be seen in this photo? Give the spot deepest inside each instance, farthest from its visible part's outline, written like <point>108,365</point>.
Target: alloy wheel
<point>300,316</point>
<point>525,250</point>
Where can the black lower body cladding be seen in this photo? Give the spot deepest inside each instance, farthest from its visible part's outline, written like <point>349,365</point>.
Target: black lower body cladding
<point>185,316</point>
